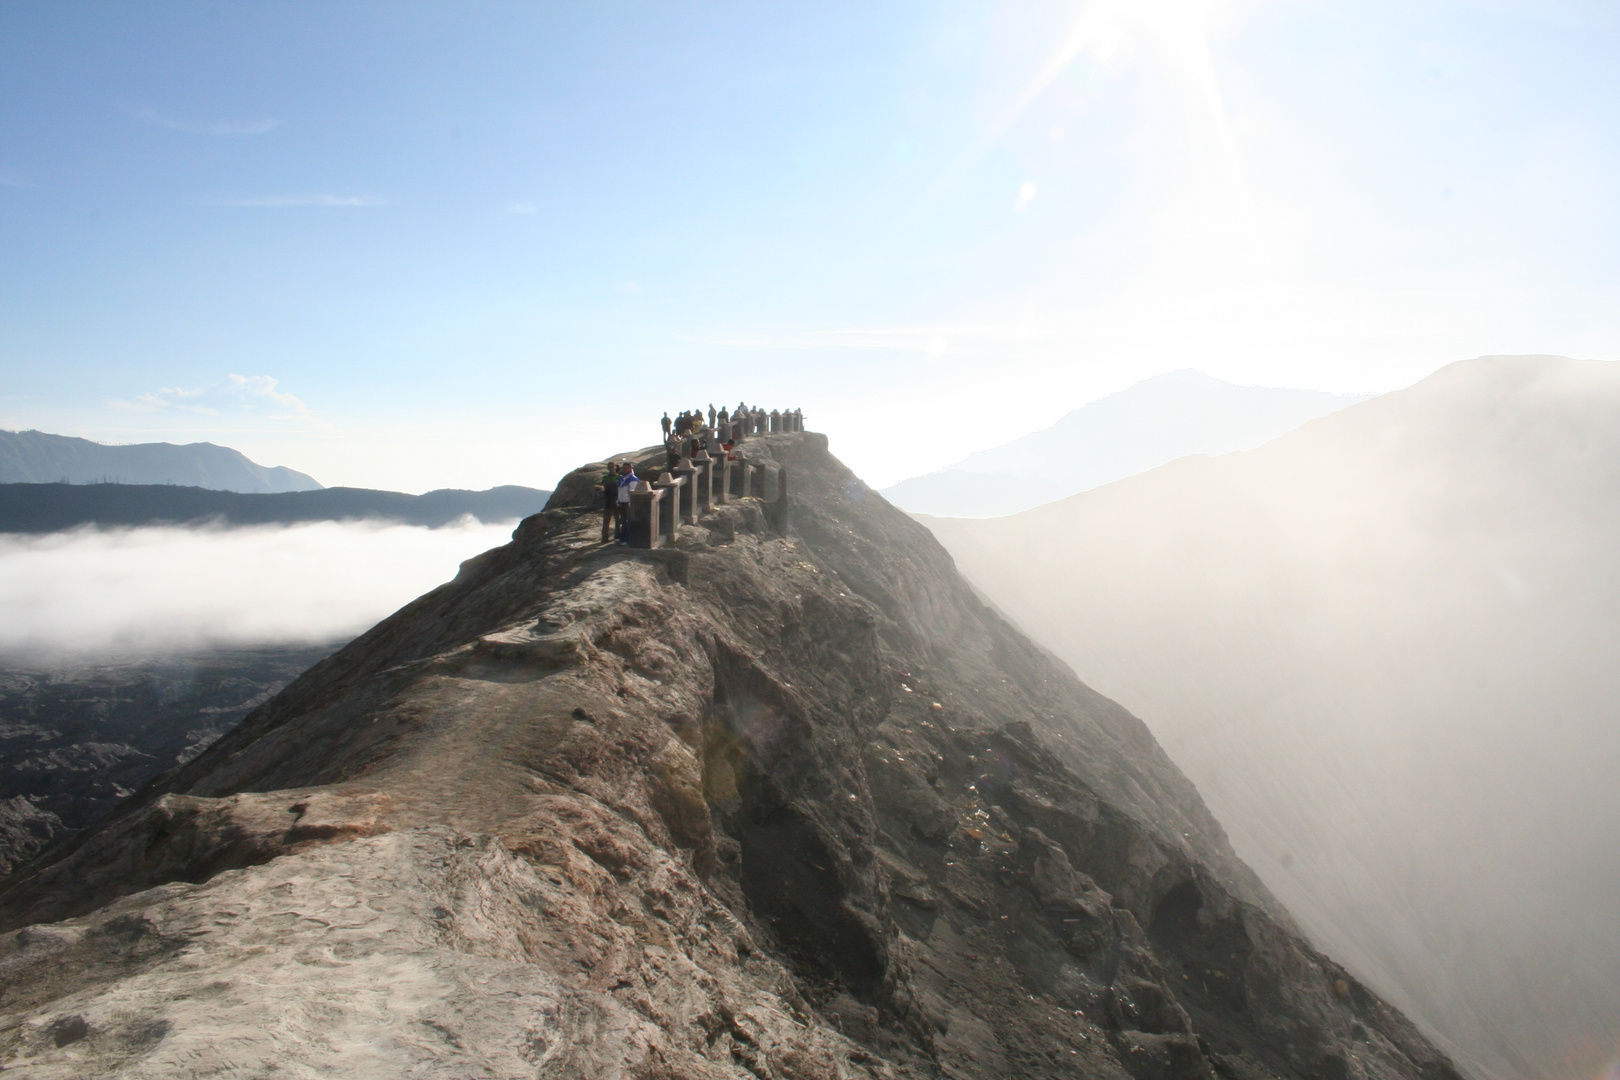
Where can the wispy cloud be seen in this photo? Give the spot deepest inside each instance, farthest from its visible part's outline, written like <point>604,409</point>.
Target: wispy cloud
<point>232,394</point>
<point>13,180</point>
<point>221,128</point>
<point>304,200</point>
<point>522,208</point>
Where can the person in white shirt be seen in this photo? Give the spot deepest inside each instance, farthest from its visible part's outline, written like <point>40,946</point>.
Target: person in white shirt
<point>621,510</point>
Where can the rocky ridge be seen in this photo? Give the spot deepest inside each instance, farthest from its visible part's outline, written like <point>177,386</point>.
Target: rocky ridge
<point>783,799</point>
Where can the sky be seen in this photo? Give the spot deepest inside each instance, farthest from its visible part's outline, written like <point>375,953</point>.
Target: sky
<point>424,245</point>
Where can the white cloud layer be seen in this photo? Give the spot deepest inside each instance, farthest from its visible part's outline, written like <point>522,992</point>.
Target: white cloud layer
<point>155,590</point>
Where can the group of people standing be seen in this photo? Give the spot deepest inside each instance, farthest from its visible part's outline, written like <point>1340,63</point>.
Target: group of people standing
<point>616,485</point>
<point>729,426</point>
<point>716,432</point>
<point>721,429</point>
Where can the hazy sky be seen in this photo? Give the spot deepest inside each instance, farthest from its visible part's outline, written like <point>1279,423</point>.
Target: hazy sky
<point>413,245</point>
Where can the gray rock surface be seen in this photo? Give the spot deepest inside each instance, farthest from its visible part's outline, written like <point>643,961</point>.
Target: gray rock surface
<point>24,829</point>
<point>79,735</point>
<point>773,802</point>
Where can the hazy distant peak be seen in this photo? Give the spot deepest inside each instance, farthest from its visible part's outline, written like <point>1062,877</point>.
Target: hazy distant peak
<point>1157,420</point>
<point>38,457</point>
<point>1222,415</point>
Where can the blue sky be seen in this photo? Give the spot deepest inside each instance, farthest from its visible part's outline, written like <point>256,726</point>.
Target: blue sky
<point>419,245</point>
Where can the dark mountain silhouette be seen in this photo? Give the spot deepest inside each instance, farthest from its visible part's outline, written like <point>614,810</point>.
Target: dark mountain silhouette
<point>39,508</point>
<point>781,800</point>
<point>1139,428</point>
<point>34,457</point>
<point>1384,647</point>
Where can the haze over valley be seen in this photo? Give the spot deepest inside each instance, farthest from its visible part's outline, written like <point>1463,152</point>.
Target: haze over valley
<point>121,592</point>
<point>1383,647</point>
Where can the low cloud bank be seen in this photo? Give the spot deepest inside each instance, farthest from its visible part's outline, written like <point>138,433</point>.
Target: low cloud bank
<point>164,589</point>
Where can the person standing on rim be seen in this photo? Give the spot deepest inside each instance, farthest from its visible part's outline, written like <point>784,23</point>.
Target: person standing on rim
<point>711,414</point>
<point>610,500</point>
<point>621,509</point>
<point>666,425</point>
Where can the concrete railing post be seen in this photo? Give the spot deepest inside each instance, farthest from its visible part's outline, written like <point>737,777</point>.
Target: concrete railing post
<point>687,506</point>
<point>703,478</point>
<point>722,466</point>
<point>670,506</point>
<point>776,511</point>
<point>645,516</point>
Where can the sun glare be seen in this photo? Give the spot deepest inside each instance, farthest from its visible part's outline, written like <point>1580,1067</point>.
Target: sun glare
<point>1168,17</point>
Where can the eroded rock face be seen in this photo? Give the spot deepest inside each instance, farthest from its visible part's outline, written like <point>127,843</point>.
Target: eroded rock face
<point>782,800</point>
<point>78,736</point>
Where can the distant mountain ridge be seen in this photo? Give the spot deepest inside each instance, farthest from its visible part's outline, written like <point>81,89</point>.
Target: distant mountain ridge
<point>1142,427</point>
<point>37,457</point>
<point>41,508</point>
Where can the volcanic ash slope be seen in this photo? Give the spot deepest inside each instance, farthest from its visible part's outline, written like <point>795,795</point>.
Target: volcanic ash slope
<point>782,800</point>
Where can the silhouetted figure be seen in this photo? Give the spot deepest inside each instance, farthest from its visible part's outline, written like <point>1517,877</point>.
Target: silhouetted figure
<point>666,425</point>
<point>711,414</point>
<point>610,501</point>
